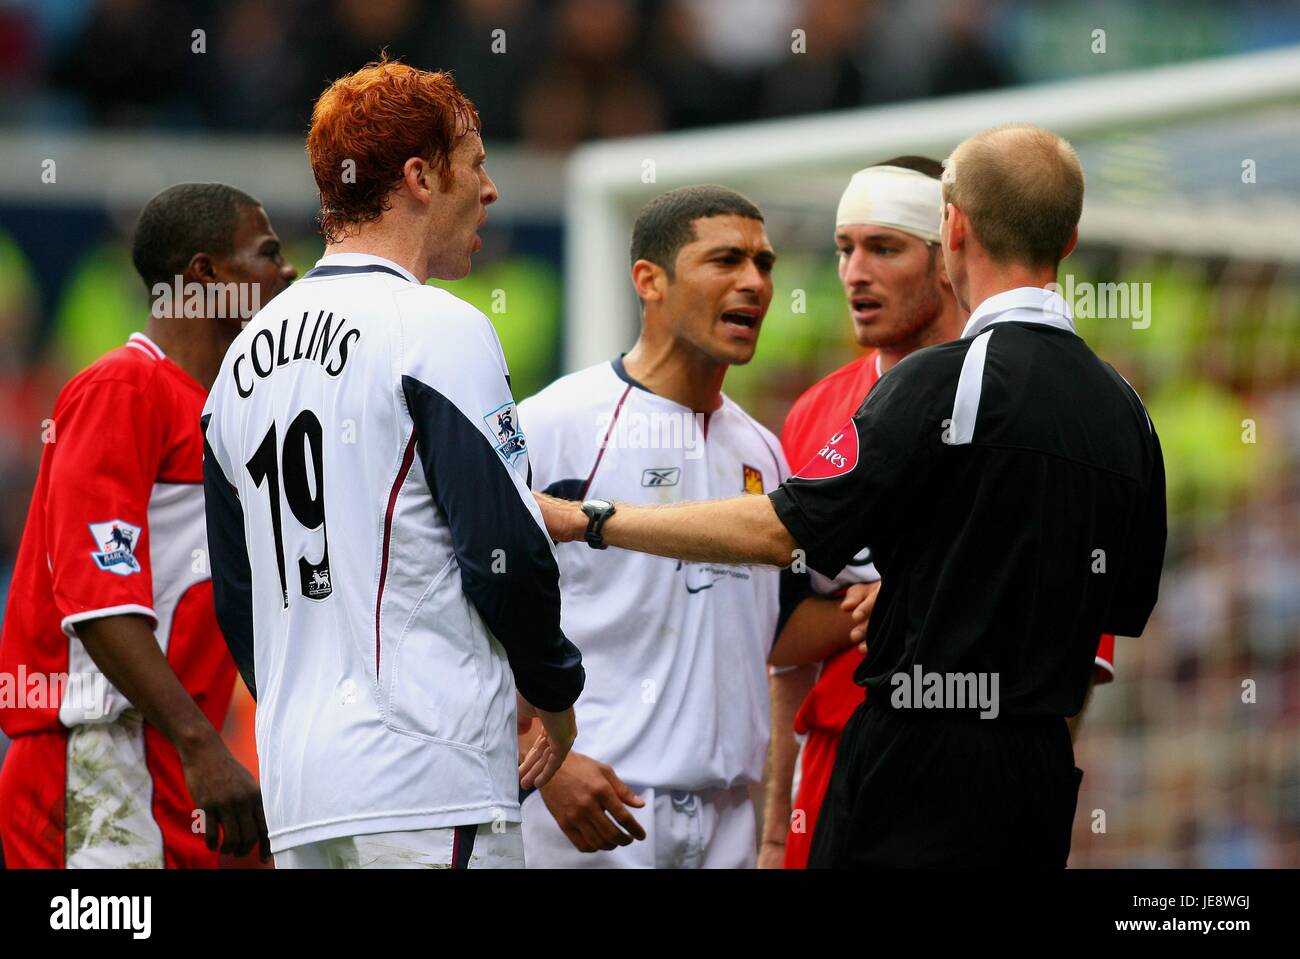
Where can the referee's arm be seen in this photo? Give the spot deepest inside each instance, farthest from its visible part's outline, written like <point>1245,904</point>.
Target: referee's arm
<point>813,525</point>
<point>1139,579</point>
<point>742,530</point>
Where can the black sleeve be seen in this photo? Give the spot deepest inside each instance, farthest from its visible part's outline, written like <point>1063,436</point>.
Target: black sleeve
<point>863,475</point>
<point>1139,581</point>
<point>232,580</point>
<point>483,505</point>
<point>795,588</point>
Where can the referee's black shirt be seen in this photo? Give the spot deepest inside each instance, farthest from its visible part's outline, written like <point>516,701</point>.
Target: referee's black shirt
<point>1011,488</point>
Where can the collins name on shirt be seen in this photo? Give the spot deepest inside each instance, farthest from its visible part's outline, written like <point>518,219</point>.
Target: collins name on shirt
<point>327,344</point>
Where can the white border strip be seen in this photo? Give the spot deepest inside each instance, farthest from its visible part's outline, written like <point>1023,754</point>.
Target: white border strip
<point>966,404</point>
<point>71,621</point>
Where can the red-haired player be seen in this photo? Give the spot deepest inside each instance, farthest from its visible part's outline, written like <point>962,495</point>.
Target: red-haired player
<point>380,569</point>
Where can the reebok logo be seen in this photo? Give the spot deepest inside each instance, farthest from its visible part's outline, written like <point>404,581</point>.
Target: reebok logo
<point>665,476</point>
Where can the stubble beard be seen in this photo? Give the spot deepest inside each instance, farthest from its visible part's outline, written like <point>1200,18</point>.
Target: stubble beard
<point>923,314</point>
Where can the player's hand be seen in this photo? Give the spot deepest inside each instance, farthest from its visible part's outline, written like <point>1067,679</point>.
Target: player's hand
<point>549,749</point>
<point>564,518</point>
<point>229,797</point>
<point>860,600</point>
<point>580,795</point>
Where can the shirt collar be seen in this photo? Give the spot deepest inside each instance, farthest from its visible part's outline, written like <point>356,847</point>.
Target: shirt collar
<point>138,341</point>
<point>1024,304</point>
<point>621,371</point>
<point>365,259</point>
<point>142,342</point>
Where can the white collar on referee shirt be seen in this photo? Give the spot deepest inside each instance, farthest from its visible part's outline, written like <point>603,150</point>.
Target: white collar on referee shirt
<point>1024,304</point>
<point>365,259</point>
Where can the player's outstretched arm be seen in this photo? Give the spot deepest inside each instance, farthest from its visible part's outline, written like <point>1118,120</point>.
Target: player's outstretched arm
<point>743,530</point>
<point>126,652</point>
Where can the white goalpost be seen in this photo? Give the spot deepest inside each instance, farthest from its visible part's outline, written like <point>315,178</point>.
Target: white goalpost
<point>1198,158</point>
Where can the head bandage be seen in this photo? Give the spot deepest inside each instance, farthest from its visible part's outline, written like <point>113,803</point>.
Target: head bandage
<point>894,197</point>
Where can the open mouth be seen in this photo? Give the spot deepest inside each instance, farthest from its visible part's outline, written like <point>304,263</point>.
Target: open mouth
<point>863,305</point>
<point>740,318</point>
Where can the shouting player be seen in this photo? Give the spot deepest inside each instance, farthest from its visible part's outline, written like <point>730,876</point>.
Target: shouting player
<point>676,698</point>
<point>111,606</point>
<point>380,566</point>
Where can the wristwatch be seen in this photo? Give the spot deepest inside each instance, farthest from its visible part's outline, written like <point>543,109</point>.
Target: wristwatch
<point>597,510</point>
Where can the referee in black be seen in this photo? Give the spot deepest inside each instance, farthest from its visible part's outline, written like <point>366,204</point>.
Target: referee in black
<point>1011,488</point>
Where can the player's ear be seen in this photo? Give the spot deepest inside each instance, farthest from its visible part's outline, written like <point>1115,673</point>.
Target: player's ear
<point>1069,247</point>
<point>940,267</point>
<point>202,269</point>
<point>649,279</point>
<point>956,221</point>
<point>418,178</point>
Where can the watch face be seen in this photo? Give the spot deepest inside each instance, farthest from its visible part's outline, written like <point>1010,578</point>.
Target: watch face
<point>598,503</point>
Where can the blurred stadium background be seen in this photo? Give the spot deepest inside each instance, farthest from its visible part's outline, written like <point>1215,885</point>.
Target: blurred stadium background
<point>118,95</point>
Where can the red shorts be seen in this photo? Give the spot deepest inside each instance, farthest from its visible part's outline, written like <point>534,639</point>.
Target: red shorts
<point>108,795</point>
<point>817,761</point>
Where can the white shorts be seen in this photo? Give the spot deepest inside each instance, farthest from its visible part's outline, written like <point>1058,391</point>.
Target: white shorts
<point>714,829</point>
<point>485,846</point>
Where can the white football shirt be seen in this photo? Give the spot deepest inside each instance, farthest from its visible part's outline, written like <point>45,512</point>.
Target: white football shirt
<point>380,566</point>
<point>675,653</point>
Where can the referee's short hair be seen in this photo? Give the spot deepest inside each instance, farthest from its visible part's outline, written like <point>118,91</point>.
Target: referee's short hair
<point>667,223</point>
<point>183,220</point>
<point>1021,187</point>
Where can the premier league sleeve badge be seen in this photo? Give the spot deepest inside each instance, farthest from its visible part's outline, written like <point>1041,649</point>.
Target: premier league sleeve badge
<point>117,541</point>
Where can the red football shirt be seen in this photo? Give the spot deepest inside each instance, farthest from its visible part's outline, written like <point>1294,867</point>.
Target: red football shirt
<point>116,525</point>
<point>825,408</point>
